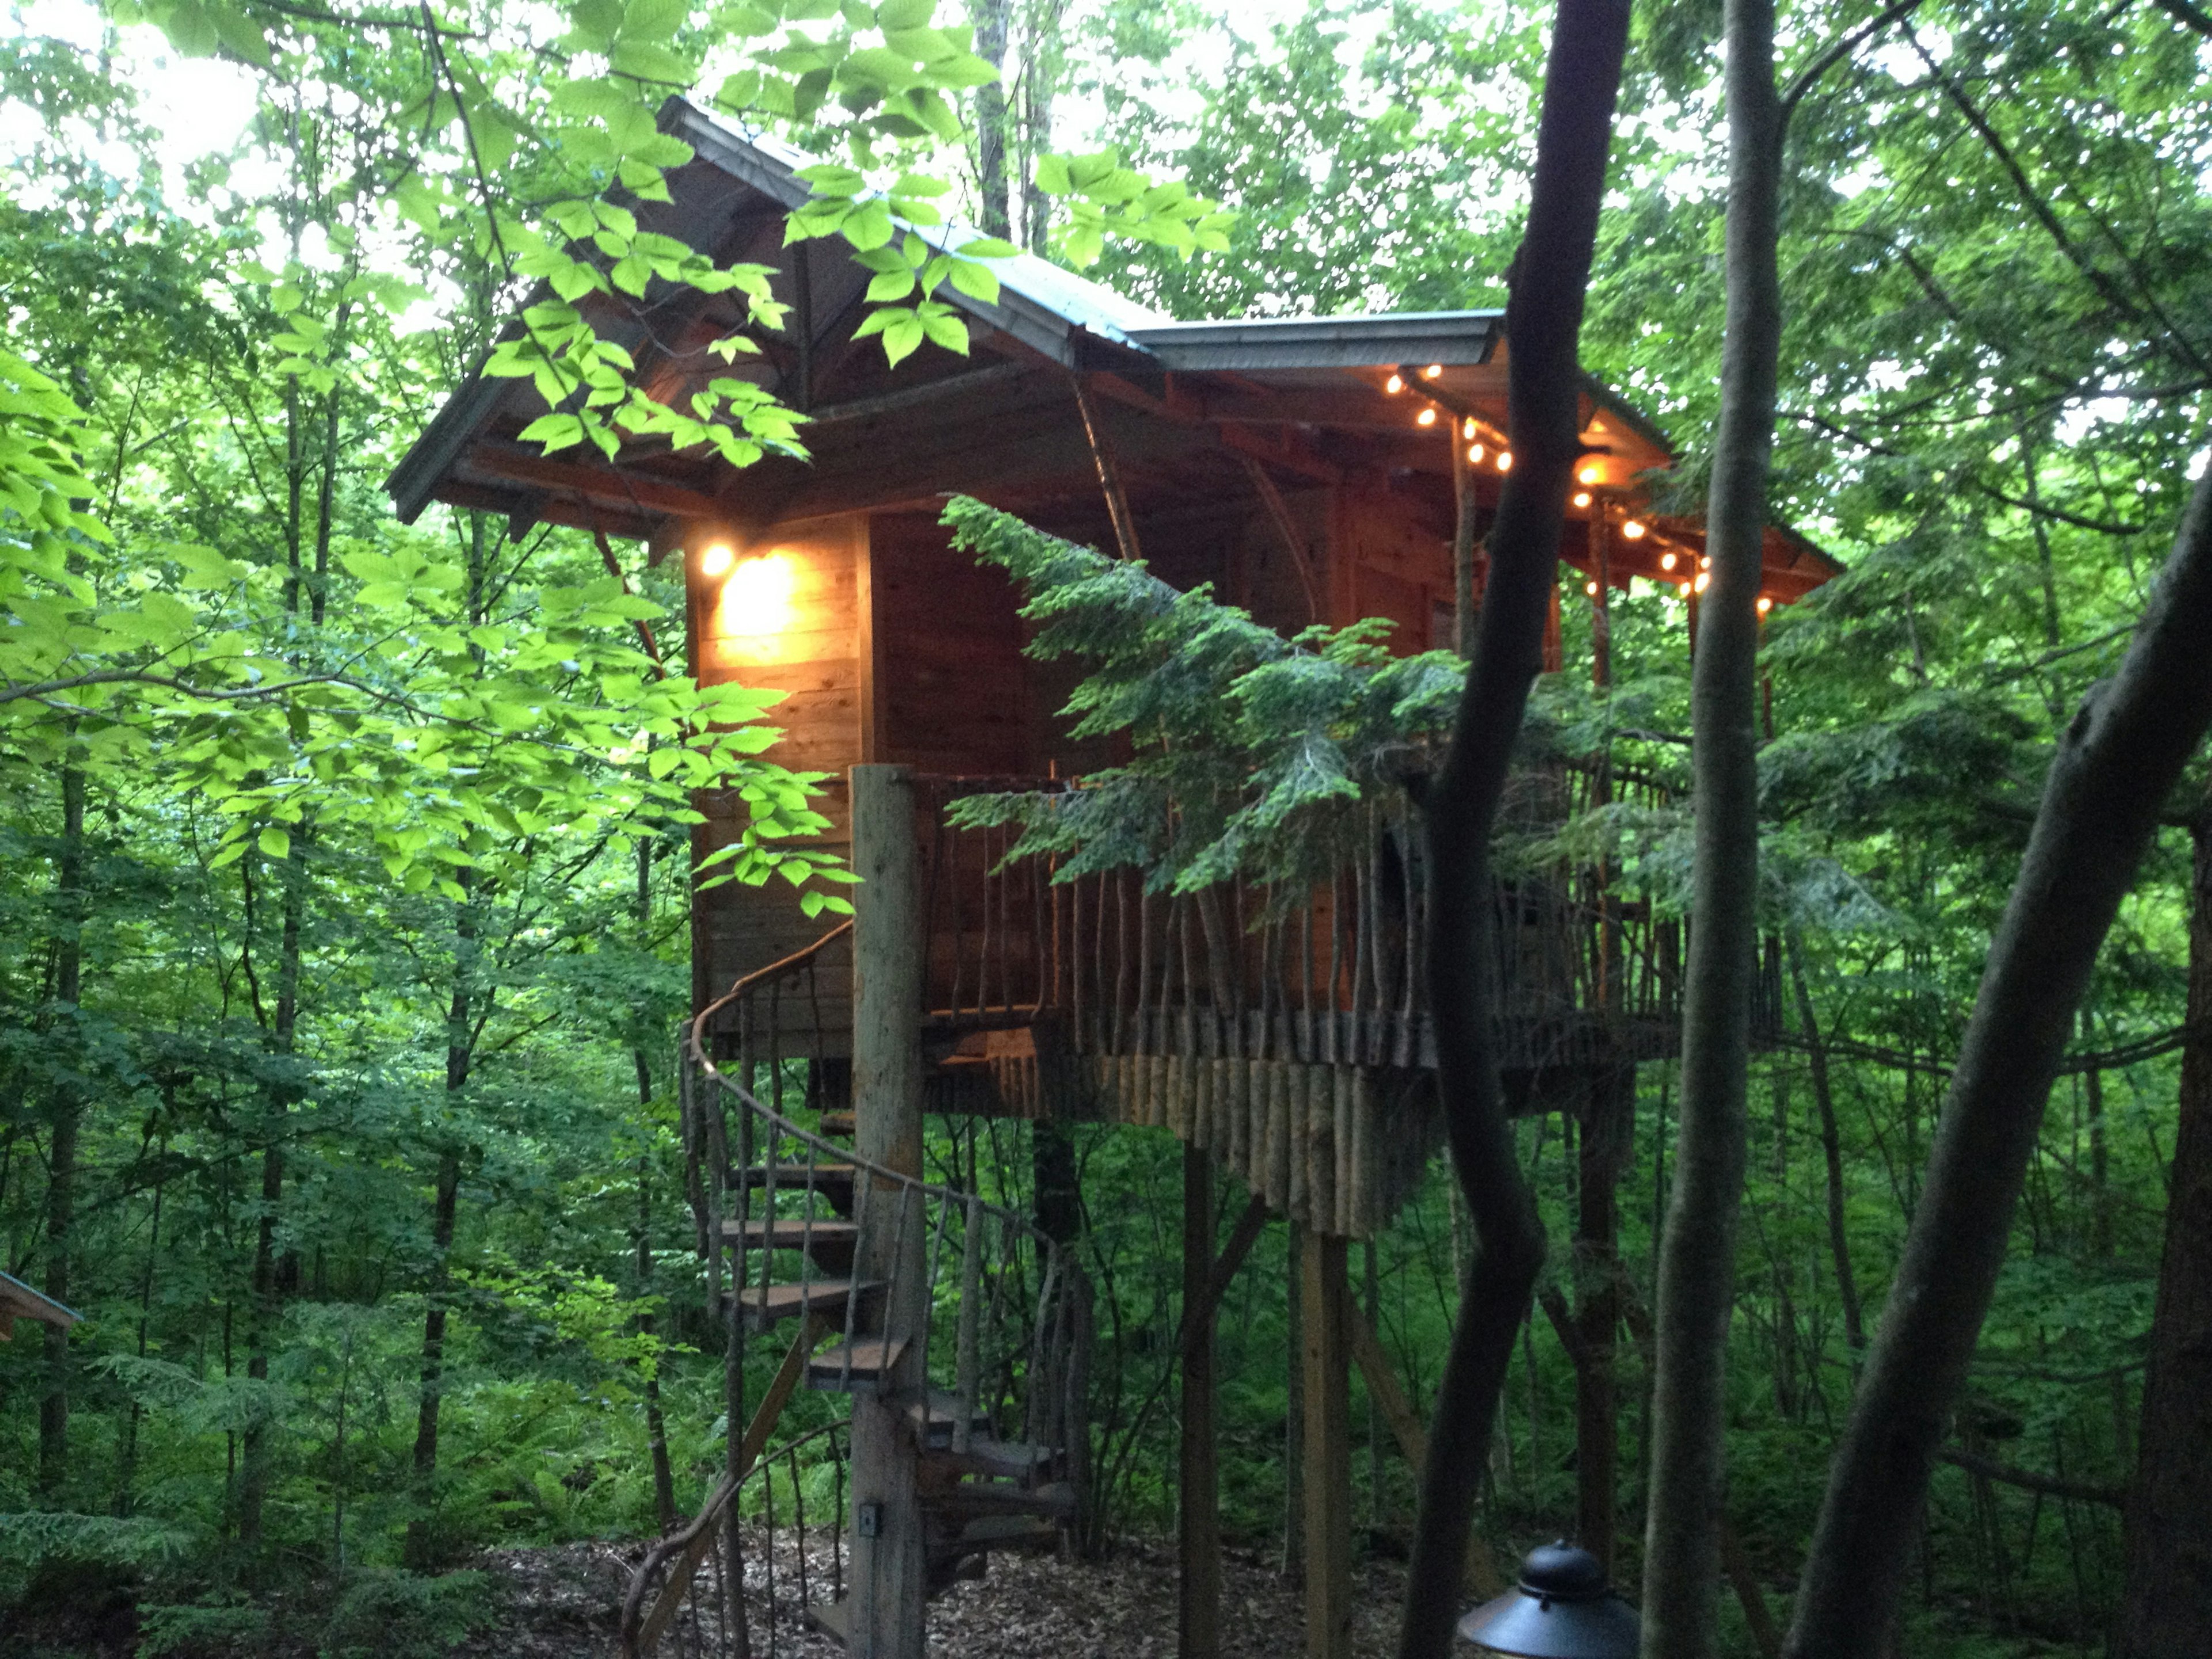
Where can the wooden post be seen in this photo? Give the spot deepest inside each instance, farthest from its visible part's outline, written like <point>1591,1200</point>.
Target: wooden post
<point>1323,1290</point>
<point>888,1562</point>
<point>1601,564</point>
<point>1608,1123</point>
<point>1198,1512</point>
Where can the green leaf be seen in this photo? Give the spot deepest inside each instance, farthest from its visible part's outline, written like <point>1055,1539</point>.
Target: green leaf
<point>274,842</point>
<point>904,14</point>
<point>646,60</point>
<point>245,37</point>
<point>654,20</point>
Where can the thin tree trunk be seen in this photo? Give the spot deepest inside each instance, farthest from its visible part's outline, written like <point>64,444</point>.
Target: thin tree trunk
<point>2116,761</point>
<point>1697,1253</point>
<point>991,16</point>
<point>1832,1149</point>
<point>68,1108</point>
<point>1604,1145</point>
<point>1551,275</point>
<point>2167,1606</point>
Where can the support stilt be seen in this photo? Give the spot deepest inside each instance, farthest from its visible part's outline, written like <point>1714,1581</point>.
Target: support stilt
<point>1198,1512</point>
<point>889,1558</point>
<point>1323,1292</point>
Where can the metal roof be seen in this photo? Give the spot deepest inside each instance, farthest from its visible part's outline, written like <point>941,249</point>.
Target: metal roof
<point>1374,340</point>
<point>24,1303</point>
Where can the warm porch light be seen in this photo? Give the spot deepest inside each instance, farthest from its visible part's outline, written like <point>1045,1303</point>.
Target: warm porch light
<point>1467,427</point>
<point>1590,589</point>
<point>1581,498</point>
<point>1590,474</point>
<point>1426,417</point>
<point>1765,604</point>
<point>1666,561</point>
<point>1562,1608</point>
<point>716,561</point>
<point>1395,384</point>
<point>1475,453</point>
<point>1632,529</point>
<point>756,604</point>
<point>1704,580</point>
<point>1504,460</point>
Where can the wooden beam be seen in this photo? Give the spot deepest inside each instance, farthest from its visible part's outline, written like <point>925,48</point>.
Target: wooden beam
<point>1279,515</point>
<point>1197,1510</point>
<point>1327,1449</point>
<point>888,1556</point>
<point>916,397</point>
<point>1109,475</point>
<point>638,492</point>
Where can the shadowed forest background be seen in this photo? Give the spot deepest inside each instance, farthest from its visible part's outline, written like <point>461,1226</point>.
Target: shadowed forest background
<point>337,1029</point>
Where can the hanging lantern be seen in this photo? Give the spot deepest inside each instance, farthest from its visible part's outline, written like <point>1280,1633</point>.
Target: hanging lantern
<point>1562,1609</point>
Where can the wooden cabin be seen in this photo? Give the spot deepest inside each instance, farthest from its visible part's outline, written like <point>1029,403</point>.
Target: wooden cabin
<point>1304,466</point>
<point>1310,469</point>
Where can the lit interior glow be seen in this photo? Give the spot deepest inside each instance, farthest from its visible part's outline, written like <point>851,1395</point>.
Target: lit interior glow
<point>1432,372</point>
<point>1475,453</point>
<point>758,603</point>
<point>1504,460</point>
<point>1590,474</point>
<point>716,561</point>
<point>1666,561</point>
<point>1581,498</point>
<point>1633,529</point>
<point>1395,384</point>
<point>1426,417</point>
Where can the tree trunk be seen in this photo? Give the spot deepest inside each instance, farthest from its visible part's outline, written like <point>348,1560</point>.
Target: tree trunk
<point>1832,1149</point>
<point>2117,761</point>
<point>2167,1606</point>
<point>1696,1277</point>
<point>990,17</point>
<point>1544,319</point>
<point>1604,1145</point>
<point>68,1108</point>
<point>1197,1513</point>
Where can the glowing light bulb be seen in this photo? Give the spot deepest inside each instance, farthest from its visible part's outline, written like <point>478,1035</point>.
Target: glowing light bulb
<point>1426,417</point>
<point>1475,452</point>
<point>1504,460</point>
<point>716,561</point>
<point>1434,371</point>
<point>1467,427</point>
<point>1705,563</point>
<point>1632,529</point>
<point>1395,384</point>
<point>1704,580</point>
<point>1590,474</point>
<point>1581,498</point>
<point>1765,604</point>
<point>1590,589</point>
<point>1666,561</point>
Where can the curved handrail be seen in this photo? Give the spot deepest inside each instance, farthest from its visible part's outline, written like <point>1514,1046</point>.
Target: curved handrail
<point>927,1190</point>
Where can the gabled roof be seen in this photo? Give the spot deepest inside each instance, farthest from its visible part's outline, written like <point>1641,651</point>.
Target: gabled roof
<point>1189,407</point>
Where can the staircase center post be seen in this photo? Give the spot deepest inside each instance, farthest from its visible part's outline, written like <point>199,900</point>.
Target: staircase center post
<point>888,1555</point>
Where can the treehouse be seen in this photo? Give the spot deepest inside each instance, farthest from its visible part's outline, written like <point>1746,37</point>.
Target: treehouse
<point>1311,470</point>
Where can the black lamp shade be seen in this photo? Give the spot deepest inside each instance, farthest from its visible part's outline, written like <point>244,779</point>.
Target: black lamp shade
<point>1562,1609</point>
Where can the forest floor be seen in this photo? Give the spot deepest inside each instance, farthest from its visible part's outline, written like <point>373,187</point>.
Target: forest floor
<point>566,1601</point>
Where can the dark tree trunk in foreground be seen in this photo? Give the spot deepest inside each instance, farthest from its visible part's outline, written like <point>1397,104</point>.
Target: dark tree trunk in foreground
<point>1696,1277</point>
<point>1544,322</point>
<point>2117,761</point>
<point>2168,1606</point>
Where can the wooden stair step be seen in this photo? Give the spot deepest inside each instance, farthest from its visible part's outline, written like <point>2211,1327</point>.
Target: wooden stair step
<point>833,1181</point>
<point>996,1532</point>
<point>997,1459</point>
<point>836,1618</point>
<point>972,1499</point>
<point>837,1125</point>
<point>823,1236</point>
<point>767,1303</point>
<point>871,1358</point>
<point>933,1424</point>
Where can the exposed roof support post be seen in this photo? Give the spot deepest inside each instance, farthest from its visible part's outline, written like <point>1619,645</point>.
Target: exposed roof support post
<point>1110,479</point>
<point>1280,512</point>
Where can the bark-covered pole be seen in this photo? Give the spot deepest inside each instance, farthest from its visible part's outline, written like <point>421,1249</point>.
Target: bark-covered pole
<point>1696,1280</point>
<point>2117,761</point>
<point>1543,320</point>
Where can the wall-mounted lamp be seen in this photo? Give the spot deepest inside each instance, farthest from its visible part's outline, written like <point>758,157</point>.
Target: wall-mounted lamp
<point>1581,498</point>
<point>1666,561</point>
<point>715,562</point>
<point>1562,1608</point>
<point>1591,474</point>
<point>1433,371</point>
<point>1475,453</point>
<point>1765,604</point>
<point>1467,427</point>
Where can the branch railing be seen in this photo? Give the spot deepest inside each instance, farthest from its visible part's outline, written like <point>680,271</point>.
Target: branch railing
<point>1323,973</point>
